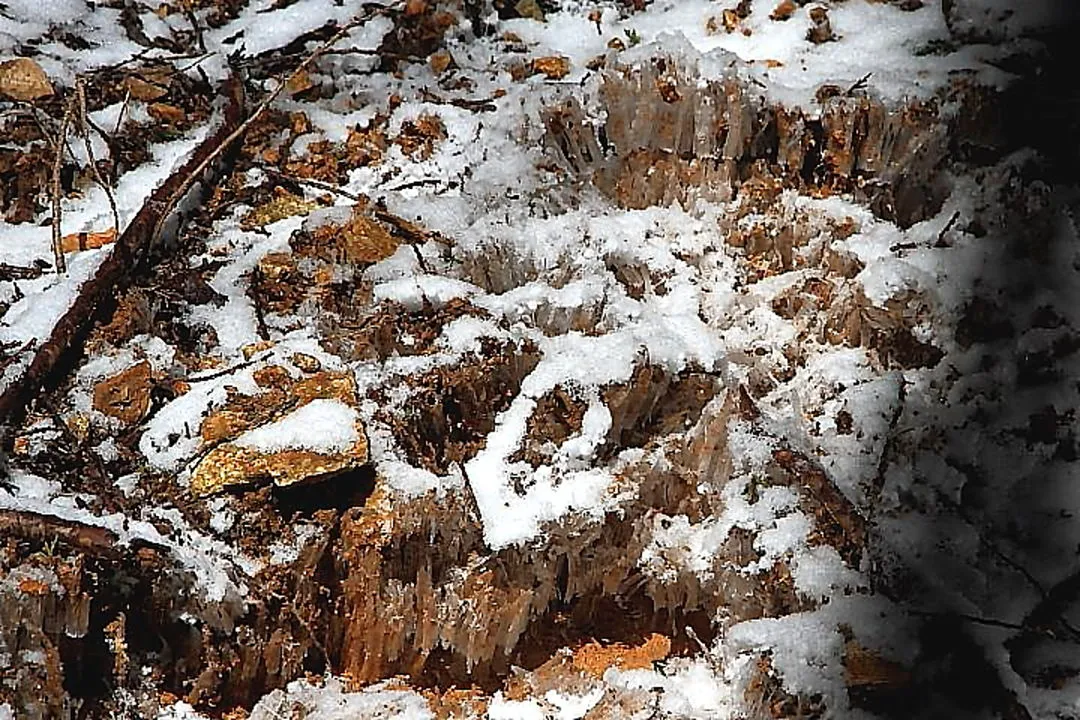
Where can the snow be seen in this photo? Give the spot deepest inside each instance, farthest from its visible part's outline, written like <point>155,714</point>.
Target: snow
<point>502,709</point>
<point>235,322</point>
<point>877,39</point>
<point>330,701</point>
<point>322,426</point>
<point>573,707</point>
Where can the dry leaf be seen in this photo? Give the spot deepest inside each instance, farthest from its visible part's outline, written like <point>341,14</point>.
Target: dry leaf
<point>418,137</point>
<point>252,349</point>
<point>299,82</point>
<point>731,20</point>
<point>23,79</point>
<point>284,205</point>
<point>530,9</point>
<point>126,396</point>
<point>169,114</point>
<point>33,586</point>
<point>440,61</point>
<point>140,89</point>
<point>306,363</point>
<point>75,242</point>
<point>365,240</point>
<point>784,10</point>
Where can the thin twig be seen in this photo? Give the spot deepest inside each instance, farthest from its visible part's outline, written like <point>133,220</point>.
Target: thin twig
<point>84,130</point>
<point>859,84</point>
<point>120,115</point>
<point>319,184</point>
<point>940,243</point>
<point>58,161</point>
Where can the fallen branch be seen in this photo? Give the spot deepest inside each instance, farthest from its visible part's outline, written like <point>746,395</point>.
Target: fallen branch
<point>48,529</point>
<point>115,273</point>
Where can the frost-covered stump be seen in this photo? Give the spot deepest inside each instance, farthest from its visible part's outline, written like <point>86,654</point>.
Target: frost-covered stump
<point>622,399</point>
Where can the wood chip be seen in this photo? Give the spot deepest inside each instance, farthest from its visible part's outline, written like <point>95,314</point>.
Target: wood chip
<point>165,113</point>
<point>555,67</point>
<point>230,465</point>
<point>75,242</point>
<point>595,659</point>
<point>865,668</point>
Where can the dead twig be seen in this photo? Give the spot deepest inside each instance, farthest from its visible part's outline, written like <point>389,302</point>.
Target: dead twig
<point>19,272</point>
<point>84,131</point>
<point>58,161</point>
<point>940,243</point>
<point>859,84</point>
<point>318,184</point>
<point>112,275</point>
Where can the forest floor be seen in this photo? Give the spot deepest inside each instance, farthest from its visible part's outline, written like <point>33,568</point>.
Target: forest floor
<point>614,359</point>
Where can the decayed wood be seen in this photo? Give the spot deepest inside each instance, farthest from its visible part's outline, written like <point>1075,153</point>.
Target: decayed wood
<point>116,272</point>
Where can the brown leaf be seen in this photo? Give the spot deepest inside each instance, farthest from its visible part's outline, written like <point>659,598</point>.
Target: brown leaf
<point>299,82</point>
<point>125,396</point>
<point>23,79</point>
<point>140,89</point>
<point>169,114</point>
<point>440,62</point>
<point>33,586</point>
<point>784,10</point>
<point>731,20</point>
<point>283,205</point>
<point>866,668</point>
